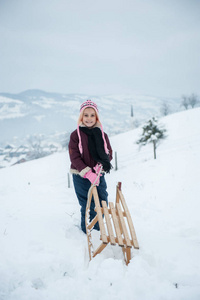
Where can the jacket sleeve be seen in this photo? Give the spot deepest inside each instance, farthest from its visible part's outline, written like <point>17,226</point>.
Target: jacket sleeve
<point>75,155</point>
<point>109,146</point>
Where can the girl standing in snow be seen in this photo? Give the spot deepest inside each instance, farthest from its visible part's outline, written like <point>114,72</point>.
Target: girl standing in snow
<point>89,149</point>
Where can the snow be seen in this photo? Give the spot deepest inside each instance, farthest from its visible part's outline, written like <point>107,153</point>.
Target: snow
<point>39,118</point>
<point>10,108</point>
<point>44,255</point>
<point>9,100</point>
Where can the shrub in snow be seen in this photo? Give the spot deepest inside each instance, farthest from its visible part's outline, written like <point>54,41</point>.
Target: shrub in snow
<point>192,100</point>
<point>165,109</point>
<point>152,133</point>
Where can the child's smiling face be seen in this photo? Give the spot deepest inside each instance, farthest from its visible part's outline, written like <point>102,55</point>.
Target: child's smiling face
<point>89,117</point>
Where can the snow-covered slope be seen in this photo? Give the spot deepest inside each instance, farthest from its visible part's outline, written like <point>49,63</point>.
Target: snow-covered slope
<point>43,253</point>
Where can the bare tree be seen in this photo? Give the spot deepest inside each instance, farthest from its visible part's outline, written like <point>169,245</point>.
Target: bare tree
<point>185,102</point>
<point>36,149</point>
<point>193,100</point>
<point>165,109</point>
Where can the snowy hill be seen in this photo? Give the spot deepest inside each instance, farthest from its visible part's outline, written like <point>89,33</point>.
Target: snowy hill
<point>43,253</point>
<point>38,112</point>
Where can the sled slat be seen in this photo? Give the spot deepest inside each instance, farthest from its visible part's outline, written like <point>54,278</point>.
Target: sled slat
<point>123,225</point>
<point>116,224</point>
<point>100,217</point>
<point>108,223</point>
<point>129,220</point>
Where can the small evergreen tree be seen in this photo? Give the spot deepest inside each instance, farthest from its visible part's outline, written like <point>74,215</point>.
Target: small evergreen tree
<point>152,133</point>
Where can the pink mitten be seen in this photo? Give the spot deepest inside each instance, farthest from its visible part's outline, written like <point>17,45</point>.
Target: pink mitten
<point>97,168</point>
<point>92,177</point>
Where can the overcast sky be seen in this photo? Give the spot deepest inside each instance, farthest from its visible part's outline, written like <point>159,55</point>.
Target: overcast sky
<point>100,47</point>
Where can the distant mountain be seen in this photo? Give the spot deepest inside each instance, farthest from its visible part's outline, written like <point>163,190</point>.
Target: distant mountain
<point>39,112</point>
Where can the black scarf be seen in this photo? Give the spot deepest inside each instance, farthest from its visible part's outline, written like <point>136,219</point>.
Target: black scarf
<point>96,147</point>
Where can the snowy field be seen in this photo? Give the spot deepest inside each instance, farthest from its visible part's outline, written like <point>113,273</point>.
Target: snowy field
<point>44,255</point>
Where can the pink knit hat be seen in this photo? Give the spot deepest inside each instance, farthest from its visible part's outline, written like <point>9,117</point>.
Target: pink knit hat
<point>93,105</point>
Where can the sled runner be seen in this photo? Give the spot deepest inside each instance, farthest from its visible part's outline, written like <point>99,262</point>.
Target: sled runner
<point>116,226</point>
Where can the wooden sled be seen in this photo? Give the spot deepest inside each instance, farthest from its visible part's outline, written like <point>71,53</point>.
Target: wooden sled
<point>116,226</point>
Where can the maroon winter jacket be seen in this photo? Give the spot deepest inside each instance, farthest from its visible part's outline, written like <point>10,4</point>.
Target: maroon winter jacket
<point>82,163</point>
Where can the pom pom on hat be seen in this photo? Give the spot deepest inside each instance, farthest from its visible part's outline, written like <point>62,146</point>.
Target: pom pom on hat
<point>93,105</point>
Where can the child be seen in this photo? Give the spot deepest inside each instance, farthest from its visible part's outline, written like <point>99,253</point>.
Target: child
<point>89,148</point>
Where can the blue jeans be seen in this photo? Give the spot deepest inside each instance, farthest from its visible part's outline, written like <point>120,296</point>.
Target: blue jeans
<point>81,186</point>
